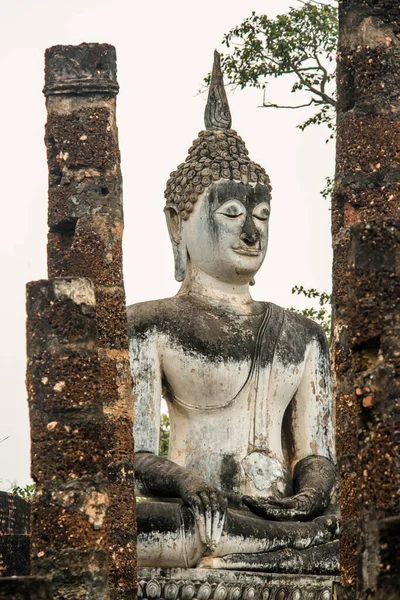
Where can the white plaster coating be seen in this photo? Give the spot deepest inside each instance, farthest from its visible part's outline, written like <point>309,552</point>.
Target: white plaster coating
<point>225,258</point>
<point>146,370</point>
<point>79,290</point>
<point>204,427</point>
<point>262,470</point>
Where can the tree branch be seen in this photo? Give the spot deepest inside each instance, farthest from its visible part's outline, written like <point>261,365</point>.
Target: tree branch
<point>301,69</point>
<point>312,89</point>
<point>271,105</point>
<point>305,2</point>
<point>325,75</point>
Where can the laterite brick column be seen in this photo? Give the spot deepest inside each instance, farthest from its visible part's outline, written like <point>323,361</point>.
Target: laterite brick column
<point>85,240</point>
<point>366,292</point>
<point>69,531</point>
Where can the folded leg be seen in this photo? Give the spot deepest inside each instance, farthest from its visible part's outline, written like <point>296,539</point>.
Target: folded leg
<point>168,536</point>
<point>318,560</point>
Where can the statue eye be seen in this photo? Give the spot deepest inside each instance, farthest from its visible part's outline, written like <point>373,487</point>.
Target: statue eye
<point>232,214</point>
<point>261,212</point>
<point>231,210</point>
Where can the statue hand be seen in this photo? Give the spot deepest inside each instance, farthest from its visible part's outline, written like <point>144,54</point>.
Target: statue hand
<point>208,506</point>
<point>304,506</point>
<point>314,479</point>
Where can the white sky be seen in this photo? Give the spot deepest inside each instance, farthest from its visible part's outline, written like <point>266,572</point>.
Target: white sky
<point>164,50</point>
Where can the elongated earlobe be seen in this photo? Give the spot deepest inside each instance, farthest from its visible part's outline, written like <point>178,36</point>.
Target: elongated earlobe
<point>174,223</point>
<point>180,260</point>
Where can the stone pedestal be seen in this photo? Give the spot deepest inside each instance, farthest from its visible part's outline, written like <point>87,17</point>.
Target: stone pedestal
<point>210,584</point>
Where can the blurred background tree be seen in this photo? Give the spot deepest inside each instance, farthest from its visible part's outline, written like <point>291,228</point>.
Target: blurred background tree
<point>164,436</point>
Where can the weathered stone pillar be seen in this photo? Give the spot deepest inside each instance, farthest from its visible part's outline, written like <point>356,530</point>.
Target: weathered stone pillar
<point>366,292</point>
<point>85,240</point>
<point>69,531</point>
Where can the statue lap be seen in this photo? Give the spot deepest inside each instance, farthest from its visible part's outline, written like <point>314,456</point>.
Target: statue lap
<point>185,324</point>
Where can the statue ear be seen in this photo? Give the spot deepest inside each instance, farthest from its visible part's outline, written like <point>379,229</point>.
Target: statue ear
<point>174,223</point>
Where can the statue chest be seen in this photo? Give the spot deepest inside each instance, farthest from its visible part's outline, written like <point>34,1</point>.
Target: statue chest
<point>226,420</point>
<point>208,391</point>
<point>200,382</point>
<point>215,365</point>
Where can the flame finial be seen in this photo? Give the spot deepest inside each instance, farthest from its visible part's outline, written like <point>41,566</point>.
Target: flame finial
<point>217,114</point>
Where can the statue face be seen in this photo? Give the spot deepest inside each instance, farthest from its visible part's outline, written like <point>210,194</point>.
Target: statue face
<point>226,236</point>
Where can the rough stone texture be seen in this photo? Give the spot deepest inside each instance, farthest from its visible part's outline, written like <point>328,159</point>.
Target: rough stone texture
<point>85,240</point>
<point>81,69</point>
<point>68,442</point>
<point>79,575</point>
<point>14,514</point>
<point>14,535</point>
<point>24,588</point>
<point>211,584</point>
<point>366,349</point>
<point>14,555</point>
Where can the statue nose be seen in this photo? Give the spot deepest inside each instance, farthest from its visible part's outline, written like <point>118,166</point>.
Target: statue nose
<point>249,237</point>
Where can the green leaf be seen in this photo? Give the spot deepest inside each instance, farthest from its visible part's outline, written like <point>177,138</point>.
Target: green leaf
<point>321,315</point>
<point>25,492</point>
<point>164,436</point>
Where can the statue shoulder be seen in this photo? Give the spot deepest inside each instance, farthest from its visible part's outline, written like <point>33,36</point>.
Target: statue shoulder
<point>301,330</point>
<point>153,315</point>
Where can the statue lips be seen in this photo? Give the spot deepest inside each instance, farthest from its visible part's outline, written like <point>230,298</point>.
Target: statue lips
<point>247,251</point>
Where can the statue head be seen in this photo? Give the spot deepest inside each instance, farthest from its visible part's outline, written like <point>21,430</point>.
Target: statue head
<point>218,200</point>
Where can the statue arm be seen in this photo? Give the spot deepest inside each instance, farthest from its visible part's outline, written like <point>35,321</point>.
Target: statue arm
<point>146,373</point>
<point>314,474</point>
<point>312,411</point>
<point>156,475</point>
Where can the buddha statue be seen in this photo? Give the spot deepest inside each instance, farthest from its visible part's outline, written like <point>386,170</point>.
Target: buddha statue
<point>250,471</point>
